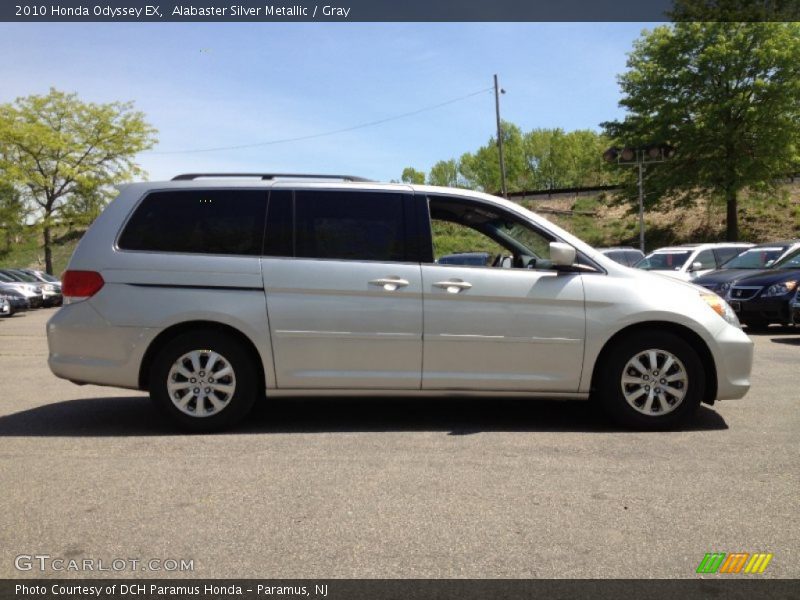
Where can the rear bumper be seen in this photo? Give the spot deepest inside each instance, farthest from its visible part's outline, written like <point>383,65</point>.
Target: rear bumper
<point>85,348</point>
<point>733,356</point>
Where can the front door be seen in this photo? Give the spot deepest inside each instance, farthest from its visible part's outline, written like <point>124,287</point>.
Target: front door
<point>512,324</point>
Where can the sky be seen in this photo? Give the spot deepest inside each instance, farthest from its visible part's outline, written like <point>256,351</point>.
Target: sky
<point>213,85</point>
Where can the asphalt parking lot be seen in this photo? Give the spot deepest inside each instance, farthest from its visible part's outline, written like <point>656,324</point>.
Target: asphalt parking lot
<point>400,488</point>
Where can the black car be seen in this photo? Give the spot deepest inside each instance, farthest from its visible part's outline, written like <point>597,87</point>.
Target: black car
<point>766,296</point>
<point>17,300</point>
<point>760,257</point>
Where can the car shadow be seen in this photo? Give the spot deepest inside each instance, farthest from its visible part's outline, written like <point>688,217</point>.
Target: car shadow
<point>789,341</point>
<point>772,330</point>
<point>136,416</point>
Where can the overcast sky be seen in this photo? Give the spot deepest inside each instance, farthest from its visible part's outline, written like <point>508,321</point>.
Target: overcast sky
<point>215,85</point>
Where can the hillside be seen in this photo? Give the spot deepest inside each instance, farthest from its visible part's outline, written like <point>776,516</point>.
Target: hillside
<point>611,224</point>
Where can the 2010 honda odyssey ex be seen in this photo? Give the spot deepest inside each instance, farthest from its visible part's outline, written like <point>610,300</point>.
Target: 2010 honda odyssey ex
<point>214,292</point>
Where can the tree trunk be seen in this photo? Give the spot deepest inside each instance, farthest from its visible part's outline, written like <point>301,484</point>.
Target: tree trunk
<point>731,199</point>
<point>48,255</point>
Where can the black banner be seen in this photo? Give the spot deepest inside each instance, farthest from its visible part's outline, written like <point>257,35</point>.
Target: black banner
<point>401,589</point>
<point>398,10</point>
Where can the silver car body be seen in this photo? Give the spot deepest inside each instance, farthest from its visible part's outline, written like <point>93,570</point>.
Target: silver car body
<point>325,327</point>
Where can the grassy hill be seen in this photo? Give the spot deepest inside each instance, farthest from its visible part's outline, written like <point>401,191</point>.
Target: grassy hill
<point>761,219</point>
<point>27,250</point>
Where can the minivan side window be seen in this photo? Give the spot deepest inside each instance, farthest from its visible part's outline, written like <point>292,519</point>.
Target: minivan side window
<point>350,225</point>
<point>208,221</point>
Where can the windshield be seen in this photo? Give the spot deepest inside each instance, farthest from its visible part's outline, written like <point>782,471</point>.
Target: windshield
<point>663,261</point>
<point>24,276</point>
<point>792,261</point>
<point>754,258</point>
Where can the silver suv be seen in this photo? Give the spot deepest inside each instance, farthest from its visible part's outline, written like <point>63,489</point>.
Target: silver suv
<point>214,292</point>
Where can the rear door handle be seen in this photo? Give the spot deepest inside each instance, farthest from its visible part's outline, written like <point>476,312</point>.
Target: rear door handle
<point>453,287</point>
<point>390,284</point>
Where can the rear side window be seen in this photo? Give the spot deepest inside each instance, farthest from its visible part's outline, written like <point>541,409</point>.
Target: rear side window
<point>198,221</point>
<point>349,225</point>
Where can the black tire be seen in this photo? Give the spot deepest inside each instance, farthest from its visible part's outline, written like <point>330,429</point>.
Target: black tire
<point>609,389</point>
<point>244,377</point>
<point>757,325</point>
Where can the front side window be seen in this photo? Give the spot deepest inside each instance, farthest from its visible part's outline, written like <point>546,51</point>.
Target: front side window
<point>471,234</point>
<point>706,260</point>
<point>213,221</point>
<point>350,225</point>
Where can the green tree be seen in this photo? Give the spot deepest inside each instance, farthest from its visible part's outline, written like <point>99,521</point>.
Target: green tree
<point>56,148</point>
<point>481,170</point>
<point>726,95</point>
<point>444,173</point>
<point>411,175</point>
<point>12,214</point>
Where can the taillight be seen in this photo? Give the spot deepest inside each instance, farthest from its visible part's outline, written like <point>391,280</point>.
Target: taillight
<point>81,284</point>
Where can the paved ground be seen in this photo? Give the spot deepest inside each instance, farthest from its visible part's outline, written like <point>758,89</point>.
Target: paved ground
<point>394,488</point>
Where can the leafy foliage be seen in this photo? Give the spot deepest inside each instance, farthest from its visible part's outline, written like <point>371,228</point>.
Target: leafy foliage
<point>726,95</point>
<point>63,154</point>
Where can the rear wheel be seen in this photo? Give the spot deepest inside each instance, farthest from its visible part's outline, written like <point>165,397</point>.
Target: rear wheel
<point>204,380</point>
<point>651,380</point>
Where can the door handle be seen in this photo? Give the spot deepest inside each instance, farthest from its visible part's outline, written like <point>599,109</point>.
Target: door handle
<point>390,284</point>
<point>453,287</point>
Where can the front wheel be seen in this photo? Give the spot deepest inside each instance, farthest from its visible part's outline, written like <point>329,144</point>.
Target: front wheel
<point>204,380</point>
<point>651,380</point>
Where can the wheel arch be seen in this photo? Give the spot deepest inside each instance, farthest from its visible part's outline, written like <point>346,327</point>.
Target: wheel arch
<point>177,329</point>
<point>689,336</point>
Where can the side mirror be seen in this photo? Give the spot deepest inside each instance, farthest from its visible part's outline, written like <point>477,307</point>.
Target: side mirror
<point>696,266</point>
<point>562,255</point>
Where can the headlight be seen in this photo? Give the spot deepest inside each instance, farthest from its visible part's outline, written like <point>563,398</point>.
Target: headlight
<point>49,287</point>
<point>724,287</point>
<point>722,308</point>
<point>780,289</point>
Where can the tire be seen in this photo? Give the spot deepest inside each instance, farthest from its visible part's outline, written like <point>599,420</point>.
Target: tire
<point>685,380</point>
<point>204,403</point>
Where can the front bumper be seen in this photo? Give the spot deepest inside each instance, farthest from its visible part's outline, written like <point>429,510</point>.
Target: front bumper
<point>763,310</point>
<point>733,356</point>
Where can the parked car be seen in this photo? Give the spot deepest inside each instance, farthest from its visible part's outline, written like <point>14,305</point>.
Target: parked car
<point>796,307</point>
<point>624,255</point>
<point>32,294</point>
<point>6,310</point>
<point>17,299</point>
<point>212,293</point>
<point>46,278</point>
<point>759,257</point>
<point>688,261</point>
<point>480,259</point>
<point>51,293</point>
<point>766,296</point>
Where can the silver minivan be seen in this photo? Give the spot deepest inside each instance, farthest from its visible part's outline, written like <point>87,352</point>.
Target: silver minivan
<point>216,292</point>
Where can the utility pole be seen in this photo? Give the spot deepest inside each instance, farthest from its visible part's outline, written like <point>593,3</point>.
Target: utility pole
<point>497,92</point>
<point>641,204</point>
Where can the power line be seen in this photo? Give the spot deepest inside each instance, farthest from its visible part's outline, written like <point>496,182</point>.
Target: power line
<point>318,135</point>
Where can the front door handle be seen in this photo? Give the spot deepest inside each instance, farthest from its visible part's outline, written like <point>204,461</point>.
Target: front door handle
<point>453,286</point>
<point>390,284</point>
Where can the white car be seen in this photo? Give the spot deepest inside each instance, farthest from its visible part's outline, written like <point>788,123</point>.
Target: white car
<point>215,293</point>
<point>688,261</point>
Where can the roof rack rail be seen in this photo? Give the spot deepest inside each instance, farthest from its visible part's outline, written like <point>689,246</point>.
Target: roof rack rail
<point>267,176</point>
